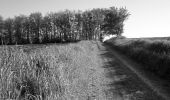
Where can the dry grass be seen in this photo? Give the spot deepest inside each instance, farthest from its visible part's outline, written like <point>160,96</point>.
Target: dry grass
<point>46,72</point>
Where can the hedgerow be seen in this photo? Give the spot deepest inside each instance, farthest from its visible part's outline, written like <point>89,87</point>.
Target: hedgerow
<point>153,55</point>
<point>63,26</point>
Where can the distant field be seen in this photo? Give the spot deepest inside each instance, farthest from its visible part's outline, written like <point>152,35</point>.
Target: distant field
<point>45,71</point>
<point>153,53</point>
<point>156,38</point>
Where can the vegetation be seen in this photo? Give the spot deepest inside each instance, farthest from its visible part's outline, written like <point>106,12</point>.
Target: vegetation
<point>64,26</point>
<point>46,72</point>
<point>154,54</point>
<point>31,72</point>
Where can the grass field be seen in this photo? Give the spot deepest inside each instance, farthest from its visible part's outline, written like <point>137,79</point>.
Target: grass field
<point>52,72</point>
<point>153,53</point>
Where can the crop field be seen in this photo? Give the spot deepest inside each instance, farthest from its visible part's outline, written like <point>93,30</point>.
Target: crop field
<point>87,70</point>
<point>45,72</point>
<point>153,53</point>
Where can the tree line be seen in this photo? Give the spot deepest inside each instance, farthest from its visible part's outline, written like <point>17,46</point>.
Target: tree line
<point>63,26</point>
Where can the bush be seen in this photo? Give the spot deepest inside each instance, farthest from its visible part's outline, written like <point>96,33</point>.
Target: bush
<point>153,55</point>
<point>159,47</point>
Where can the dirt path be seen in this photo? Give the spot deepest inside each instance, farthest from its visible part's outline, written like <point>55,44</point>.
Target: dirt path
<point>159,86</point>
<point>114,80</point>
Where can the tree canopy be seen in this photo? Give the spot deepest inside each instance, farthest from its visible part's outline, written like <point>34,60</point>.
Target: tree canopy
<point>63,26</point>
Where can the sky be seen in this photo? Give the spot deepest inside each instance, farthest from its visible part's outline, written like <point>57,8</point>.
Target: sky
<point>149,18</point>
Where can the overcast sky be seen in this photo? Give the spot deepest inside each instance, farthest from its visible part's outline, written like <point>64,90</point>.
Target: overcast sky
<point>149,18</point>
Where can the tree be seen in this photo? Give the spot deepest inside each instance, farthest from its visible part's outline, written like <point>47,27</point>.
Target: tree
<point>62,22</point>
<point>46,28</point>
<point>19,24</point>
<point>54,27</point>
<point>35,23</point>
<point>26,29</point>
<point>63,26</point>
<point>113,21</point>
<point>79,25</point>
<point>99,19</point>
<point>8,26</point>
<point>88,24</point>
<point>75,24</point>
<point>1,30</point>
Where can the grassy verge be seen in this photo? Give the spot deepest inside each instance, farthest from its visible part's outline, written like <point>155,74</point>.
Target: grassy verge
<point>44,72</point>
<point>153,54</point>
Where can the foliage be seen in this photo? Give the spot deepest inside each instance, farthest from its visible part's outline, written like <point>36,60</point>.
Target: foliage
<point>159,47</point>
<point>113,21</point>
<point>63,26</point>
<point>153,54</point>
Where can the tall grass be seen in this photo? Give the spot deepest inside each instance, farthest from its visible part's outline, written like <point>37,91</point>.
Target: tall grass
<point>44,73</point>
<point>153,54</point>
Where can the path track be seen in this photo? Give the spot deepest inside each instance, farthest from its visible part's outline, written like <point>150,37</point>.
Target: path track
<point>118,80</point>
